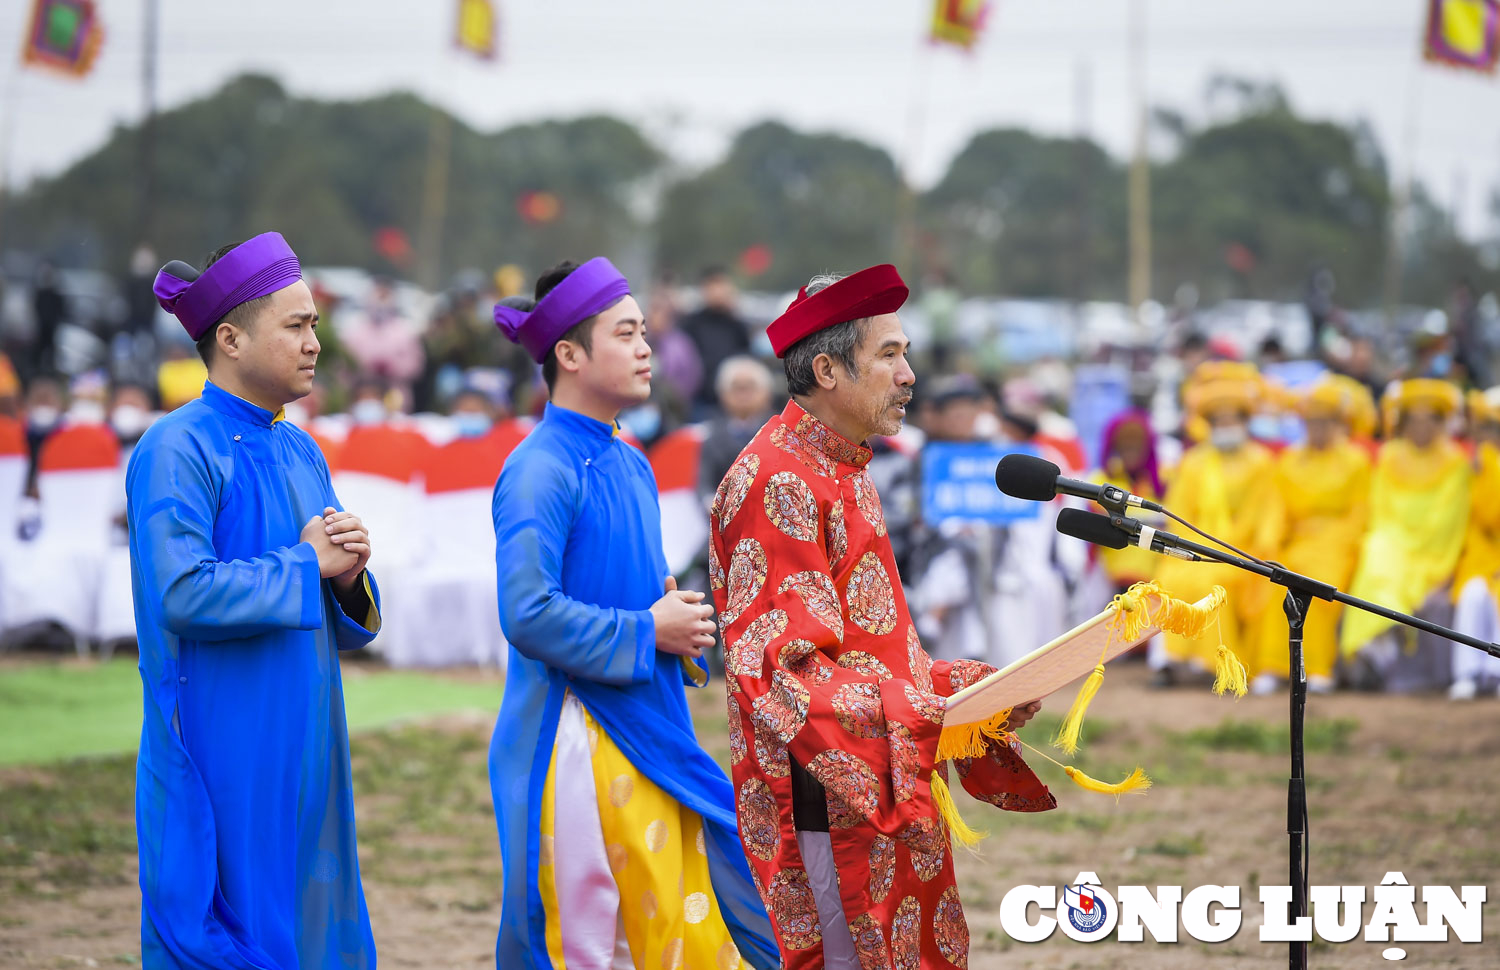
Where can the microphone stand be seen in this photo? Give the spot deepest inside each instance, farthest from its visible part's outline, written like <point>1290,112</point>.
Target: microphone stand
<point>1300,592</point>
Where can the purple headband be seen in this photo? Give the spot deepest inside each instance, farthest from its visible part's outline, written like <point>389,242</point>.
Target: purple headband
<point>255,268</point>
<point>582,293</point>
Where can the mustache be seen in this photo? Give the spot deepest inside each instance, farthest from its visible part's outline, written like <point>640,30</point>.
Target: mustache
<point>901,400</point>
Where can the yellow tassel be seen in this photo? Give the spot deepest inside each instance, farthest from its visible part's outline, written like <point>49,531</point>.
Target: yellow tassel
<point>971,740</point>
<point>948,811</point>
<point>1137,782</point>
<point>1131,616</point>
<point>1072,726</point>
<point>1189,619</point>
<point>1229,673</point>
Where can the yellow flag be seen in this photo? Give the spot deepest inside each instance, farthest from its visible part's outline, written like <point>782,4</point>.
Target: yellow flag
<point>477,28</point>
<point>958,22</point>
<point>1463,33</point>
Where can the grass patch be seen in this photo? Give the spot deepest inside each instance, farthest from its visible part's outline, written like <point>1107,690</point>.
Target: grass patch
<point>72,826</point>
<point>54,711</point>
<point>422,796</point>
<point>1260,737</point>
<point>1178,847</point>
<point>420,781</point>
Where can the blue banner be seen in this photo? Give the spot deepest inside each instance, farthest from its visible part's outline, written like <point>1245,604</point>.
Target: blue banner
<point>958,484</point>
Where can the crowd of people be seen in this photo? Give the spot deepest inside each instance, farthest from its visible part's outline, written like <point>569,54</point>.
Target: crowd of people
<point>1371,480</point>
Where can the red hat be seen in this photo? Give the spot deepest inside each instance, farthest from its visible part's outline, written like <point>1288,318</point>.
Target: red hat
<point>868,293</point>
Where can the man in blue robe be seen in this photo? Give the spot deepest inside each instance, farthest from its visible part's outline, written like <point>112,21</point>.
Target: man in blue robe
<point>248,581</point>
<point>617,831</point>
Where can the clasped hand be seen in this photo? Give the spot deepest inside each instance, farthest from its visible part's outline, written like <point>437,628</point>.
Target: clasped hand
<point>342,544</point>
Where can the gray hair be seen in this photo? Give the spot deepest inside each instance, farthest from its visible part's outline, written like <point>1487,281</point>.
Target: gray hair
<point>736,364</point>
<point>838,341</point>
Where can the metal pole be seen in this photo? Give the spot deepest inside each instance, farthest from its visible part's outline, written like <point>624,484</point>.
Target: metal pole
<point>435,197</point>
<point>1140,173</point>
<point>144,219</point>
<point>1296,605</point>
<point>12,110</point>
<point>1083,83</point>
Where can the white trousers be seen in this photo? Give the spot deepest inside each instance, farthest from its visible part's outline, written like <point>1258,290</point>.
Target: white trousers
<point>1478,615</point>
<point>817,856</point>
<point>588,899</point>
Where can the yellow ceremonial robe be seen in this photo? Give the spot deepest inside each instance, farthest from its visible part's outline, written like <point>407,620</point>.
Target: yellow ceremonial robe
<point>1325,507</point>
<point>1419,514</point>
<point>1233,496</point>
<point>1481,555</point>
<point>1131,565</point>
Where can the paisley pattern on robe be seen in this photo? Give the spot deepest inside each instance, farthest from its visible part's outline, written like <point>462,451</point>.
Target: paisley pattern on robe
<point>791,506</point>
<point>734,488</point>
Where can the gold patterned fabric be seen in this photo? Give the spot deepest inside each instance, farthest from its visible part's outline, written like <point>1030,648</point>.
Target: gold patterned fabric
<point>658,858</point>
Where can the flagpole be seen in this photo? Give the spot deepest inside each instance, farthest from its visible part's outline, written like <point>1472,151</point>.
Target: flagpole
<point>1140,173</point>
<point>1401,198</point>
<point>435,196</point>
<point>916,124</point>
<point>1083,84</point>
<point>145,217</point>
<point>8,142</point>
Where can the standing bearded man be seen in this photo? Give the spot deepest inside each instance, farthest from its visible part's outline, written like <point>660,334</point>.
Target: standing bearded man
<point>834,707</point>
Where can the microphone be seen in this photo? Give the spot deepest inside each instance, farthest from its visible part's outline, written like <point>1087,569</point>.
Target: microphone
<point>1038,480</point>
<point>1118,531</point>
<point>1092,528</point>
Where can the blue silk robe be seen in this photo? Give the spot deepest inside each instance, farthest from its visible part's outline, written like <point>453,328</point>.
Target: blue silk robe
<point>244,804</point>
<point>579,557</point>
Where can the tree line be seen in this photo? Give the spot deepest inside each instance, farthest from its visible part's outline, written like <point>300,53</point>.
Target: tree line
<point>1249,205</point>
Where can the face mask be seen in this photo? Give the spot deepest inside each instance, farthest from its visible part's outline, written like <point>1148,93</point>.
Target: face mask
<point>42,417</point>
<point>1228,438</point>
<point>1441,365</point>
<point>643,422</point>
<point>987,427</point>
<point>471,424</point>
<point>86,412</point>
<point>129,420</point>
<point>1265,427</point>
<point>367,412</point>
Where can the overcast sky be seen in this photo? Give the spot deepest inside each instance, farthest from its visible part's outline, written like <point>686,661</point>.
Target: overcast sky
<point>694,71</point>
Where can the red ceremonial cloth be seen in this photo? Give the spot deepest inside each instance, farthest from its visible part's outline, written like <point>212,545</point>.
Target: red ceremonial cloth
<point>868,293</point>
<point>824,667</point>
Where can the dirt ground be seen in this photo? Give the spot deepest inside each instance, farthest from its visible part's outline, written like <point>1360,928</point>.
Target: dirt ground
<point>1397,783</point>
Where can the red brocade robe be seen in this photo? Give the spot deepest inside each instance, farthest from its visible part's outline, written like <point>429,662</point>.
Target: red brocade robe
<point>824,667</point>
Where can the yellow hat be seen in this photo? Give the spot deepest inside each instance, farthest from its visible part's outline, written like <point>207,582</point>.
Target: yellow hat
<point>1400,396</point>
<point>1484,405</point>
<point>1344,398</point>
<point>1217,385</point>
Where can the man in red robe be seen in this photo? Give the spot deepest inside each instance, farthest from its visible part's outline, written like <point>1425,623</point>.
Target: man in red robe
<point>834,707</point>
